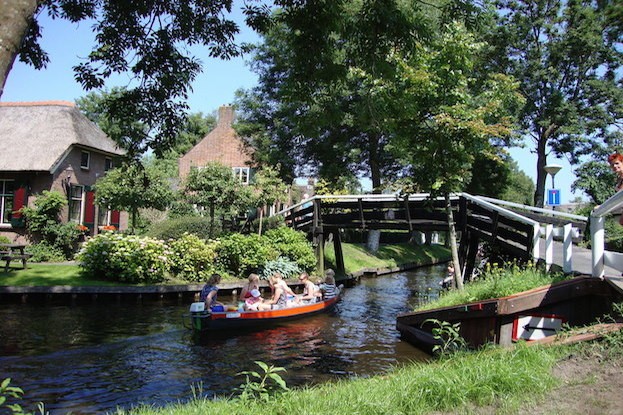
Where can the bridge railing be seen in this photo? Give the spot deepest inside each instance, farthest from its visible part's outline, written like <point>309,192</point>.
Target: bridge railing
<point>547,231</point>
<point>601,257</point>
<point>543,233</point>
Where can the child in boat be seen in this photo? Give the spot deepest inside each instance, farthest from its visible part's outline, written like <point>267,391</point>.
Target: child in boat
<point>252,303</point>
<point>328,287</point>
<point>311,292</point>
<point>210,291</point>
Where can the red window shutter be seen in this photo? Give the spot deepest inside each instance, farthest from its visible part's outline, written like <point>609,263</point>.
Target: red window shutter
<point>89,209</point>
<point>19,201</point>
<point>114,218</point>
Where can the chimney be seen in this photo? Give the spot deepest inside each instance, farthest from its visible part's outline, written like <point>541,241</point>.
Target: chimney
<point>225,116</point>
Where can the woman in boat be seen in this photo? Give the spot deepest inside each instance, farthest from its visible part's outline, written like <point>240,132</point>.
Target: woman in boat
<point>209,292</point>
<point>280,294</point>
<point>311,292</point>
<point>252,284</point>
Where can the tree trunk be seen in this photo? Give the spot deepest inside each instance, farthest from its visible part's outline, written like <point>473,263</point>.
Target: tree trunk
<point>134,214</point>
<point>259,232</point>
<point>541,174</point>
<point>15,17</point>
<point>458,275</point>
<point>374,235</point>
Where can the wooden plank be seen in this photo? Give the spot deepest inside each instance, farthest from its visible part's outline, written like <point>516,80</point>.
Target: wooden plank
<point>616,283</point>
<point>544,296</point>
<point>581,334</point>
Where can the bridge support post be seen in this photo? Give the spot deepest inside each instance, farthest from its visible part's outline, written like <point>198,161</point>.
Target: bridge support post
<point>549,246</point>
<point>319,237</point>
<point>597,242</point>
<point>339,255</point>
<point>567,265</point>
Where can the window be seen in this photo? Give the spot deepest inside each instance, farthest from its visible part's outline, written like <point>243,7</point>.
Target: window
<point>6,200</point>
<point>76,203</point>
<point>242,174</point>
<point>85,160</point>
<point>108,164</point>
<point>103,217</point>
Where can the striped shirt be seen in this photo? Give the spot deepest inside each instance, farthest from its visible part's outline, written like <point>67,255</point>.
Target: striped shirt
<point>328,290</point>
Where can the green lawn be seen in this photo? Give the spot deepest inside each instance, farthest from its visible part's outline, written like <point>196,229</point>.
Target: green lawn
<point>48,274</point>
<point>357,257</point>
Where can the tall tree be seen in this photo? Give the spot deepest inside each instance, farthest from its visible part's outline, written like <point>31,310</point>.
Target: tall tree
<point>131,188</point>
<point>442,117</point>
<point>567,56</point>
<point>269,189</point>
<point>312,106</point>
<point>214,187</point>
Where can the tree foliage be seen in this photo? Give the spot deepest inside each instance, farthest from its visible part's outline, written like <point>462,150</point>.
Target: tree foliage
<point>131,188</point>
<point>567,58</point>
<point>215,188</point>
<point>596,180</point>
<point>149,41</point>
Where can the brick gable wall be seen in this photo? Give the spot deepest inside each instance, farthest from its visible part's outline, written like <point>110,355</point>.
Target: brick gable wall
<point>222,144</point>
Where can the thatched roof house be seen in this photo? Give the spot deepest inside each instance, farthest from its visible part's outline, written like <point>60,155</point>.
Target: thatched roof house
<point>27,128</point>
<point>52,146</point>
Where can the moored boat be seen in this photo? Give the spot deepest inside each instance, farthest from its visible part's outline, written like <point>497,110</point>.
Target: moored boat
<point>200,320</point>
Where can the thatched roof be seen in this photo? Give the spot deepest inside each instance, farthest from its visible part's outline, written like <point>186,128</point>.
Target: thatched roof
<point>35,136</point>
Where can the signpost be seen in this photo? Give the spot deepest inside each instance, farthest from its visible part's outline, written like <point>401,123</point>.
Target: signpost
<point>553,197</point>
<point>553,194</point>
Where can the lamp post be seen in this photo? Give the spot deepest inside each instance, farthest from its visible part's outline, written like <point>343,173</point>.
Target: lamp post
<point>552,169</point>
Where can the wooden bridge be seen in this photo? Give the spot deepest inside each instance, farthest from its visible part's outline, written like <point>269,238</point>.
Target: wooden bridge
<point>510,230</point>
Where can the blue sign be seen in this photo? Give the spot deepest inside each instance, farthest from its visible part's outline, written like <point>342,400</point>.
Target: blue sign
<point>553,197</point>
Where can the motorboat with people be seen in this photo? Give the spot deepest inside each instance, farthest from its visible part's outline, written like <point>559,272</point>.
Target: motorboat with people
<point>201,319</point>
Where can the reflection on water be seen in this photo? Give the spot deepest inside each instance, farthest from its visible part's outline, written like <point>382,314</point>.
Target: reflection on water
<point>91,359</point>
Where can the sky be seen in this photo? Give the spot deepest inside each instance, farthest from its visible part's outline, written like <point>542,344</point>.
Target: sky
<point>68,44</point>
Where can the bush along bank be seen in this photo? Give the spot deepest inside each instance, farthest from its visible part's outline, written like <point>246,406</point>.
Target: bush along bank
<point>138,260</point>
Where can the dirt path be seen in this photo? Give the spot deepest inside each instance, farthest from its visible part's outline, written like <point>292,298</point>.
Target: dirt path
<point>589,386</point>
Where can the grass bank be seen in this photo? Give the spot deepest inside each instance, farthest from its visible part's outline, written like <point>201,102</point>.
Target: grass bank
<point>497,282</point>
<point>357,257</point>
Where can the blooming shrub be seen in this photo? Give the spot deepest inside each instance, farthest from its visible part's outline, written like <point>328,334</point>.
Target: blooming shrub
<point>192,258</point>
<point>293,245</point>
<point>127,258</point>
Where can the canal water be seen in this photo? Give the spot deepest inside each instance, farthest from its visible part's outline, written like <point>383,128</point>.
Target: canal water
<point>94,358</point>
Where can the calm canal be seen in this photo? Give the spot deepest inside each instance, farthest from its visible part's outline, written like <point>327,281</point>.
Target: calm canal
<point>93,358</point>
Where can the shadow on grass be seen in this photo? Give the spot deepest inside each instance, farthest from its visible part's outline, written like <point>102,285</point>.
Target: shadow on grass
<point>47,275</point>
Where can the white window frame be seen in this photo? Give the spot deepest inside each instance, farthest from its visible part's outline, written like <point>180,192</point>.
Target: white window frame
<point>81,199</point>
<point>3,196</point>
<point>242,174</point>
<point>108,216</point>
<point>108,164</point>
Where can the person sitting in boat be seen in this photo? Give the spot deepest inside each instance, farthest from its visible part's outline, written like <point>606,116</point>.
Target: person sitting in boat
<point>281,291</point>
<point>328,287</point>
<point>252,284</point>
<point>254,300</point>
<point>209,293</point>
<point>311,292</point>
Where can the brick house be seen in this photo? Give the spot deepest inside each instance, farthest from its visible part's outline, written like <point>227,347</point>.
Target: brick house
<point>222,145</point>
<point>53,146</point>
